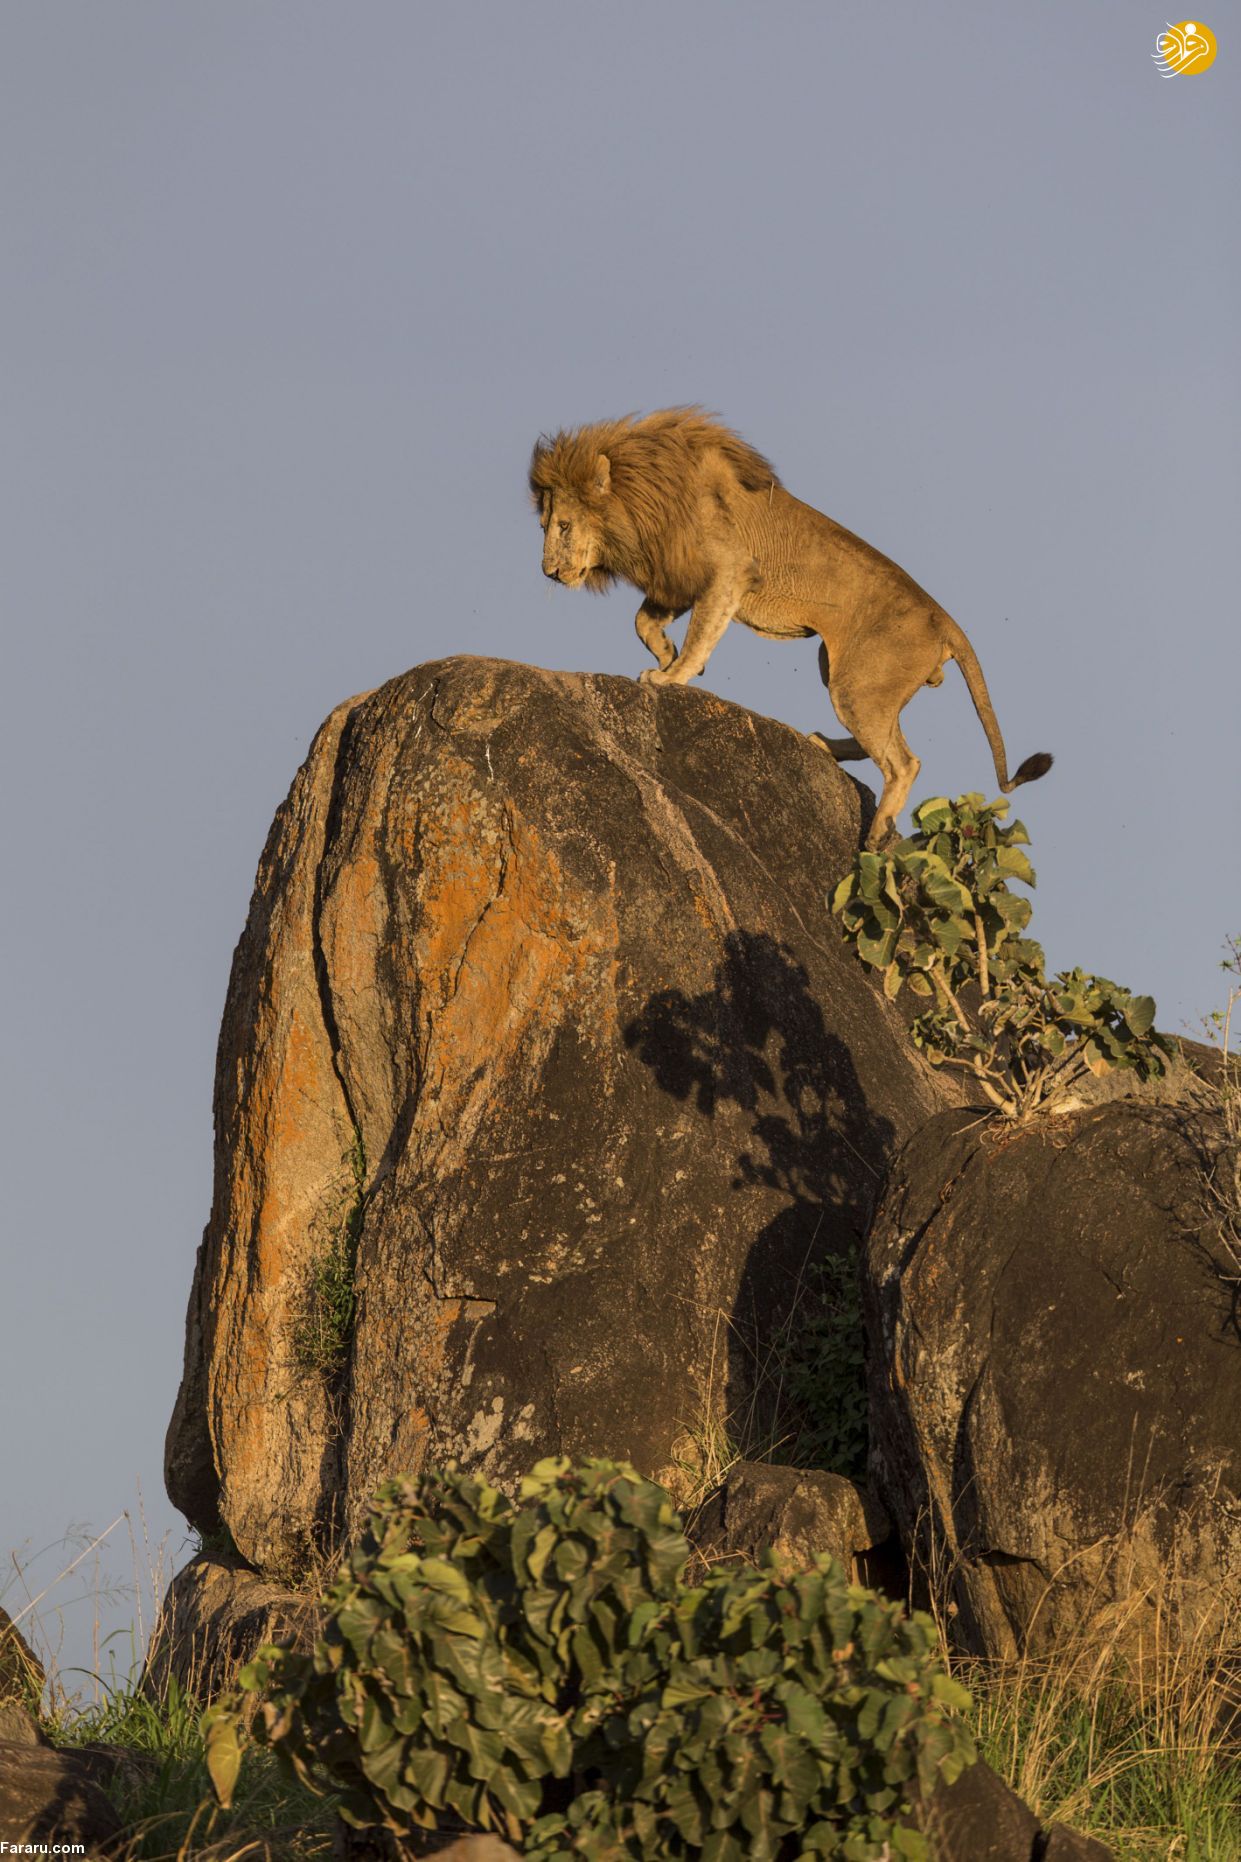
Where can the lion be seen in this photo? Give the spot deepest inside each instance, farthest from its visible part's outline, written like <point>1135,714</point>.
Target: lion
<point>688,513</point>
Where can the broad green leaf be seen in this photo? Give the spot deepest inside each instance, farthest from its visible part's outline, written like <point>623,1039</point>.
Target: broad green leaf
<point>222,1751</point>
<point>946,892</point>
<point>541,1549</point>
<point>684,1809</point>
<point>439,1575</point>
<point>950,933</point>
<point>1014,864</point>
<point>1140,1014</point>
<point>877,951</point>
<point>950,1693</point>
<point>870,875</point>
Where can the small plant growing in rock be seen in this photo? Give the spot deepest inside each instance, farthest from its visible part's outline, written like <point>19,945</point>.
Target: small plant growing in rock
<point>323,1330</point>
<point>544,1671</point>
<point>935,914</point>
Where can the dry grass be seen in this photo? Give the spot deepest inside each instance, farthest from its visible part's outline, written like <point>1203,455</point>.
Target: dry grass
<point>1129,1731</point>
<point>1136,1758</point>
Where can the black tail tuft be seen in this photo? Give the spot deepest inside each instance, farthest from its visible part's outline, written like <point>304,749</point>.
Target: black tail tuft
<point>1033,767</point>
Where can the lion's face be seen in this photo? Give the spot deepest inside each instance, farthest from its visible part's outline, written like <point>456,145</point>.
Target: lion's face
<point>572,544</point>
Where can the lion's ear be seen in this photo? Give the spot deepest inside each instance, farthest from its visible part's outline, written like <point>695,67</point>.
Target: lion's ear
<point>603,473</point>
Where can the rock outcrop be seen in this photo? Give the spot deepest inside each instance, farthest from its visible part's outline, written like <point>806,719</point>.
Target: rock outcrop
<point>979,1819</point>
<point>19,1727</point>
<point>539,1021</point>
<point>215,1614</point>
<point>48,1796</point>
<point>797,1513</point>
<point>1055,1375</point>
<point>21,1672</point>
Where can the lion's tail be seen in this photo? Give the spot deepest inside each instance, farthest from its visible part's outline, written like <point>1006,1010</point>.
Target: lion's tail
<point>1034,766</point>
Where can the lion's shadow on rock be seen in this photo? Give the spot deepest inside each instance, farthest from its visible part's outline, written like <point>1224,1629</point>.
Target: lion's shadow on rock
<point>757,1039</point>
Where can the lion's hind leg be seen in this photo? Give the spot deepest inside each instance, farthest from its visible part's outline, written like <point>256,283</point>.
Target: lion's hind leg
<point>844,749</point>
<point>900,771</point>
<point>873,715</point>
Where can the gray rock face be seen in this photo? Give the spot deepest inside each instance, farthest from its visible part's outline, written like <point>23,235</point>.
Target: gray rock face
<point>980,1819</point>
<point>796,1513</point>
<point>1056,1375</point>
<point>49,1796</point>
<point>1060,1844</point>
<point>551,953</point>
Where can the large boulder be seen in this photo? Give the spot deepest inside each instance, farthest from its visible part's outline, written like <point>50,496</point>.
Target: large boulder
<point>214,1615</point>
<point>1055,1375</point>
<point>540,1020</point>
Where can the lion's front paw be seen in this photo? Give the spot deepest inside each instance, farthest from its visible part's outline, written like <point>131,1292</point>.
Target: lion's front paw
<point>656,675</point>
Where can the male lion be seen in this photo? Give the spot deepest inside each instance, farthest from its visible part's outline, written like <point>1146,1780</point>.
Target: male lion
<point>687,512</point>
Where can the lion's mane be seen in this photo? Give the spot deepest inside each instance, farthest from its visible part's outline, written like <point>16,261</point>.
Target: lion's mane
<point>650,516</point>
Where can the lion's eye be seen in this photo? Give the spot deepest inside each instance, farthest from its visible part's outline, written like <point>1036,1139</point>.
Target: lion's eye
<point>564,527</point>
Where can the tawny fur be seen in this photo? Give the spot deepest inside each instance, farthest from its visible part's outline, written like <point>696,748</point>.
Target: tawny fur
<point>686,511</point>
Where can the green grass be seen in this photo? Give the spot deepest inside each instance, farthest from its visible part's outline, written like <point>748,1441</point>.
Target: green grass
<point>164,1797</point>
<point>1135,1759</point>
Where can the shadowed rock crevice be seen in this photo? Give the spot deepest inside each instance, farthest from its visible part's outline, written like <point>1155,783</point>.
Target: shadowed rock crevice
<point>757,1040</point>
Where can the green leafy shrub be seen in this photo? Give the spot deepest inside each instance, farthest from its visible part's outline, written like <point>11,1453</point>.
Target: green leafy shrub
<point>544,1671</point>
<point>935,913</point>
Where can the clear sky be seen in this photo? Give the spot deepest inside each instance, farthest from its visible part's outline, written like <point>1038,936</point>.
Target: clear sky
<point>289,288</point>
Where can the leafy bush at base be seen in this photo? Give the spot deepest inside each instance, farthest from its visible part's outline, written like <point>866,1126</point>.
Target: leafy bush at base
<point>545,1672</point>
